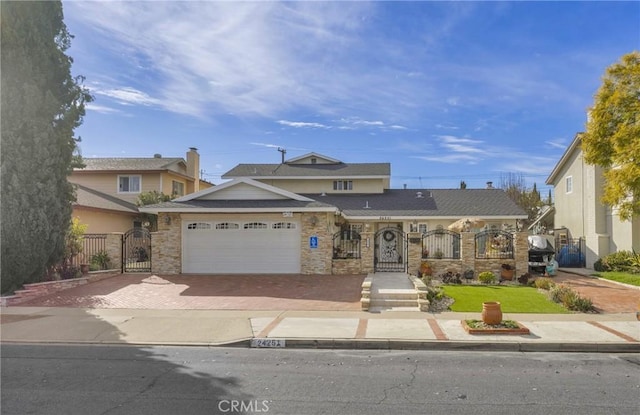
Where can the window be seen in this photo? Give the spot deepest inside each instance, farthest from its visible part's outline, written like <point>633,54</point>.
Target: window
<point>314,160</point>
<point>568,181</point>
<point>198,225</point>
<point>255,225</point>
<point>129,184</point>
<point>356,227</point>
<point>422,228</point>
<point>177,188</point>
<point>284,225</point>
<point>227,225</point>
<point>342,185</point>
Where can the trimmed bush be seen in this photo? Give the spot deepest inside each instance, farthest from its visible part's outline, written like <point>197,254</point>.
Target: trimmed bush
<point>487,277</point>
<point>544,283</point>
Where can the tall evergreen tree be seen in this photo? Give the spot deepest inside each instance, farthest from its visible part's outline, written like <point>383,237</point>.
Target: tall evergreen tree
<point>42,104</point>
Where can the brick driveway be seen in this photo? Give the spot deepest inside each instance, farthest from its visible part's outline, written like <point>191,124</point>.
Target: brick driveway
<point>213,292</point>
<point>607,297</point>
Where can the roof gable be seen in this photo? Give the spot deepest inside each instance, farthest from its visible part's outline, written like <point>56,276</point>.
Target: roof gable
<point>243,189</point>
<point>574,146</point>
<point>312,158</point>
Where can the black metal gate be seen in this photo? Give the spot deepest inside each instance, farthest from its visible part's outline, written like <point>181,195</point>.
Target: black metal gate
<point>136,250</point>
<point>390,253</point>
<point>570,253</point>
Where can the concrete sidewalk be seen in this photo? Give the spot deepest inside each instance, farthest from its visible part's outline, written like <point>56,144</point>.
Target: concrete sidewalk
<point>316,329</point>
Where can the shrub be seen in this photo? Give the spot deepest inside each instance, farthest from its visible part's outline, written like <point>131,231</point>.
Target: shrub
<point>581,304</point>
<point>544,283</point>
<point>561,293</point>
<point>599,266</point>
<point>570,299</point>
<point>434,294</point>
<point>101,260</point>
<point>618,261</point>
<point>524,278</point>
<point>450,278</point>
<point>487,277</point>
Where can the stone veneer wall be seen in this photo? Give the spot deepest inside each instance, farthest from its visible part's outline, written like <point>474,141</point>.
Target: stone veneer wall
<point>316,260</point>
<point>113,246</point>
<point>166,245</point>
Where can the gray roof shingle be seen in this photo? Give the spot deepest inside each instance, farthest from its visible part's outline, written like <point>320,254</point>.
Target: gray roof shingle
<point>92,198</point>
<point>128,164</point>
<point>435,203</point>
<point>309,170</point>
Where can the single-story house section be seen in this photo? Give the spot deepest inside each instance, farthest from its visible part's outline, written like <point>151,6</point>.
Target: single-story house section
<point>247,226</point>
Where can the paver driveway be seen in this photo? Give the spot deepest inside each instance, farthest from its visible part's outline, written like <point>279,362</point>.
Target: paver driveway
<point>213,292</point>
<point>607,297</point>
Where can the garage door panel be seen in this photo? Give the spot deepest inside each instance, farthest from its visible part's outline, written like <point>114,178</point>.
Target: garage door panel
<point>241,250</point>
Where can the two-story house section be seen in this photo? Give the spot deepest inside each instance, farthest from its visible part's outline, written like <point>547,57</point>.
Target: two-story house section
<point>316,215</point>
<point>108,188</point>
<point>579,212</point>
<point>315,173</point>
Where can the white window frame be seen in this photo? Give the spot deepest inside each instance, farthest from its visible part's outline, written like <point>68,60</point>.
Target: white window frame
<point>423,227</point>
<point>223,226</point>
<point>344,185</point>
<point>199,226</point>
<point>173,186</point>
<point>129,177</point>
<point>568,184</point>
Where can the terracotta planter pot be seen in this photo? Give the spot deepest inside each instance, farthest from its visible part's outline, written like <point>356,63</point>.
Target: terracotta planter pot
<point>491,313</point>
<point>507,274</point>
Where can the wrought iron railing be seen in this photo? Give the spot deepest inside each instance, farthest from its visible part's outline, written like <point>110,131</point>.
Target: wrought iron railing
<point>494,244</point>
<point>346,245</point>
<point>440,244</point>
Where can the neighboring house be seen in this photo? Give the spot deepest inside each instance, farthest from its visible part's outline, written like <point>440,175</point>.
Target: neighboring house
<point>313,215</point>
<point>108,188</point>
<point>579,212</point>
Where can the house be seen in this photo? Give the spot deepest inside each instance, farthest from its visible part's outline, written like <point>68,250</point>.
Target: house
<point>317,215</point>
<point>579,212</point>
<point>107,188</point>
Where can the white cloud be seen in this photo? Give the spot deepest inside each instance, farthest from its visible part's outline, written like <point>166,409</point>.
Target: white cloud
<point>101,109</point>
<point>127,96</point>
<point>561,144</point>
<point>300,124</point>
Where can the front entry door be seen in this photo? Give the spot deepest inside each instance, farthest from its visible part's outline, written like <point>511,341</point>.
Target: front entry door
<point>390,250</point>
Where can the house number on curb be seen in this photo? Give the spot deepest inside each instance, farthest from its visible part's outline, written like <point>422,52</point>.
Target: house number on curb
<point>267,343</point>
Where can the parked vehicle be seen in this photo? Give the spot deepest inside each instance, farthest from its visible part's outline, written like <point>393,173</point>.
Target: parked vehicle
<point>541,253</point>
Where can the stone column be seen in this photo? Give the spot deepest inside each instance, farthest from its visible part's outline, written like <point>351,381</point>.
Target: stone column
<point>468,250</point>
<point>521,253</point>
<point>366,252</point>
<point>316,260</point>
<point>166,245</point>
<point>414,239</point>
<point>113,246</point>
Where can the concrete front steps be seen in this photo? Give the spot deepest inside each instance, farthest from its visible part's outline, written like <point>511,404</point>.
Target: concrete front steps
<point>390,292</point>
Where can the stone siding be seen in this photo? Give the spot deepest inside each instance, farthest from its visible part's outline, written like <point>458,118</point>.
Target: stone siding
<point>166,245</point>
<point>316,260</point>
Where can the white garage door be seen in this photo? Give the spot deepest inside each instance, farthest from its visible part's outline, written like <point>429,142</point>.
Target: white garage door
<point>261,247</point>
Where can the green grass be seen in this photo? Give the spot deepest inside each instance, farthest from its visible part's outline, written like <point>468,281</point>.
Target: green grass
<point>624,277</point>
<point>513,299</point>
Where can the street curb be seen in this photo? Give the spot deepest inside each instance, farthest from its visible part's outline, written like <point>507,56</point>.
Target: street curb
<point>384,344</point>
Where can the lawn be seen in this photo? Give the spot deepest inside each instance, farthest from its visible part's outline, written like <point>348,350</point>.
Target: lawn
<point>624,277</point>
<point>513,299</point>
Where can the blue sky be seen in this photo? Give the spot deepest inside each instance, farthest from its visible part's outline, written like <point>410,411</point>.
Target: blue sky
<point>444,91</point>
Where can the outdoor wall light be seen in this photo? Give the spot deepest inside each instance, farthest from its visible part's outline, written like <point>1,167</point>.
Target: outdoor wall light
<point>167,220</point>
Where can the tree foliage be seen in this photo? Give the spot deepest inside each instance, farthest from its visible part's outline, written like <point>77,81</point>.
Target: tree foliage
<point>151,198</point>
<point>41,106</point>
<point>515,186</point>
<point>612,136</point>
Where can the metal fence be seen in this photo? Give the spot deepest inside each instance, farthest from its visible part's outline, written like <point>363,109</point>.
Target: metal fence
<point>346,245</point>
<point>494,244</point>
<point>94,251</point>
<point>441,244</point>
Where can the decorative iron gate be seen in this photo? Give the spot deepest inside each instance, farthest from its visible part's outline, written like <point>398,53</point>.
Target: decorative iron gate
<point>136,250</point>
<point>570,252</point>
<point>390,253</point>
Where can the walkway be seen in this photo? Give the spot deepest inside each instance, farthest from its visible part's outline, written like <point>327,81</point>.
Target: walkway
<point>607,296</point>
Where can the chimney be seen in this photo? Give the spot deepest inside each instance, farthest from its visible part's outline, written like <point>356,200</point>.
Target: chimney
<point>193,167</point>
<point>489,185</point>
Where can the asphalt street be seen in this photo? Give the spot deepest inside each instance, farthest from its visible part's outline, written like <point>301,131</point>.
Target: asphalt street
<point>83,379</point>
